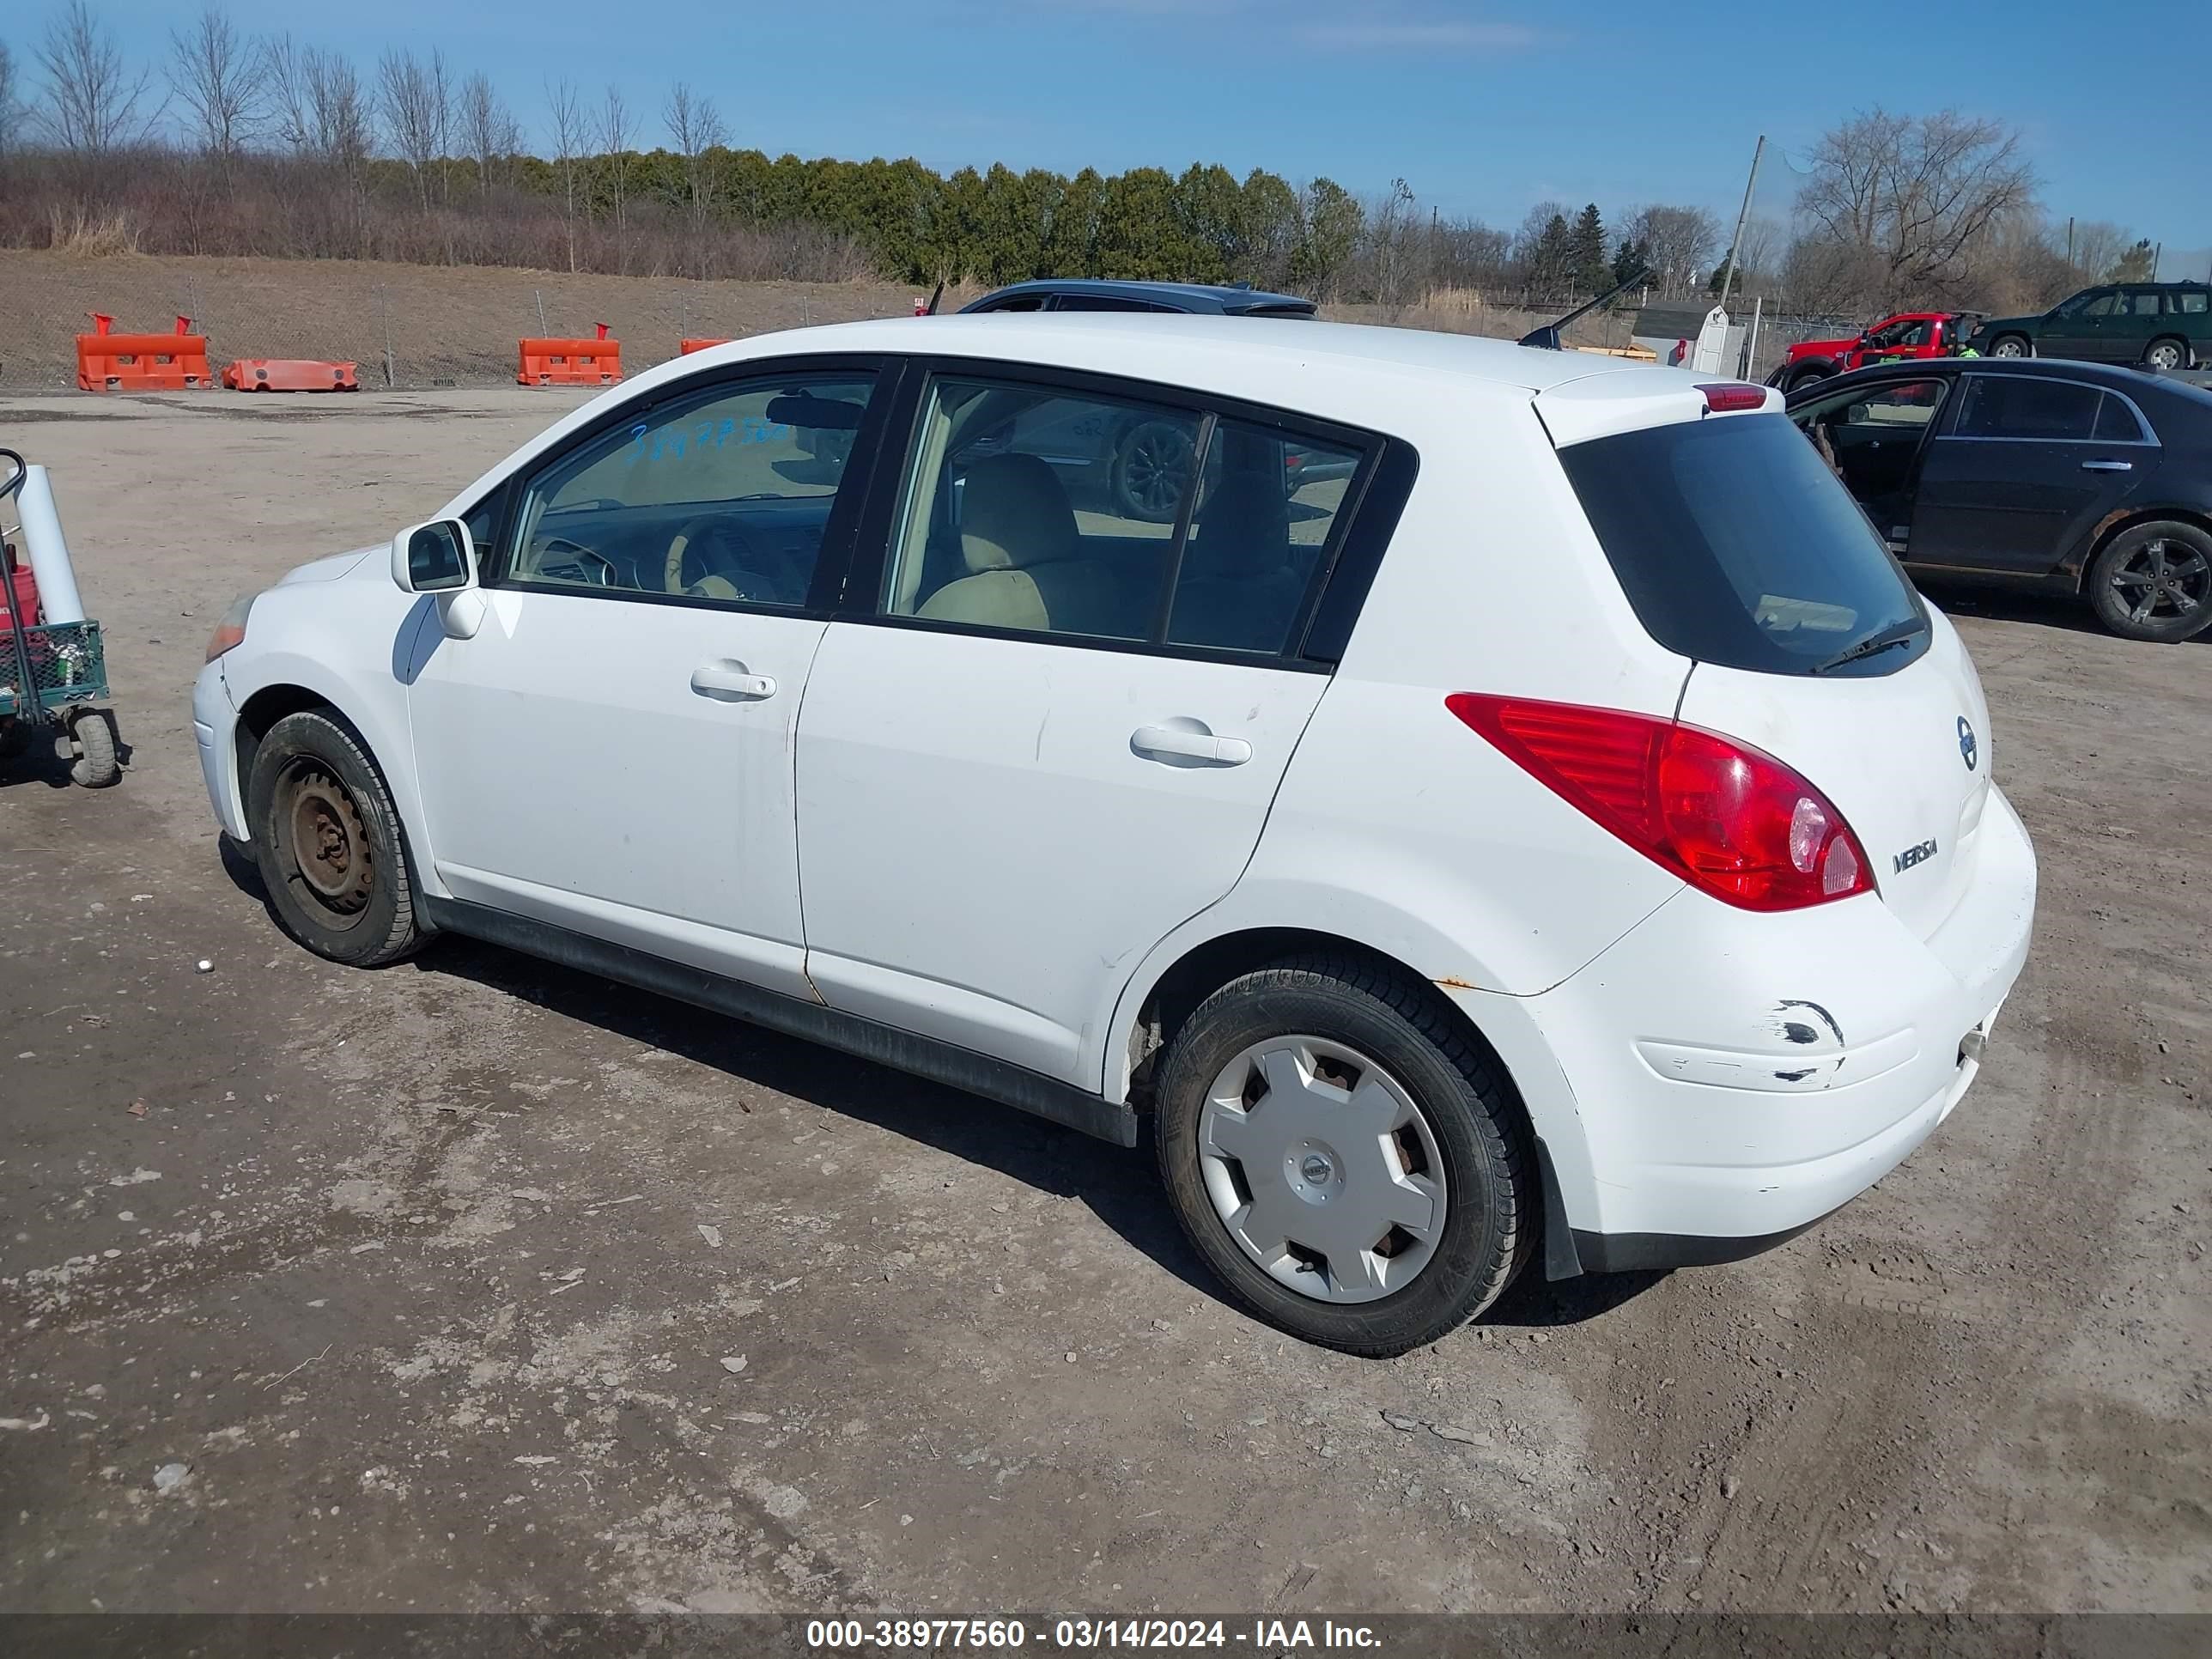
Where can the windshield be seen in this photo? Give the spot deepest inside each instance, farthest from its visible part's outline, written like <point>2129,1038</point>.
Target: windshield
<point>1738,546</point>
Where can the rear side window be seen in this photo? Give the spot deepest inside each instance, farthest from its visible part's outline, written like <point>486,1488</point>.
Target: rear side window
<point>2117,423</point>
<point>1737,546</point>
<point>2025,406</point>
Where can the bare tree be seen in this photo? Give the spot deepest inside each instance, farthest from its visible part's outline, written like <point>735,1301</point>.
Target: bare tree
<point>320,111</point>
<point>1906,202</point>
<point>567,139</point>
<point>10,110</point>
<point>488,129</point>
<point>617,127</point>
<point>696,127</point>
<point>1678,244</point>
<point>94,105</point>
<point>417,102</point>
<point>218,77</point>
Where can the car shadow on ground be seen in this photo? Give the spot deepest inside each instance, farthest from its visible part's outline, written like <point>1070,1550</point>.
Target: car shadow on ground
<point>1120,1185</point>
<point>2036,607</point>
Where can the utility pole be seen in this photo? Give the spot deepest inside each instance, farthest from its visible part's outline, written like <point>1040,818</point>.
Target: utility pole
<point>1728,276</point>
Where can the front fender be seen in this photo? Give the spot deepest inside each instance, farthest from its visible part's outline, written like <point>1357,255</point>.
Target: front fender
<point>348,643</point>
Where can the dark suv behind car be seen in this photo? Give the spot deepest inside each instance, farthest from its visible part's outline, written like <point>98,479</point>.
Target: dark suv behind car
<point>1083,293</point>
<point>2159,325</point>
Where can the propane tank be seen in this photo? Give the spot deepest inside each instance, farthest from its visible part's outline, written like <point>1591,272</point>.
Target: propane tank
<point>45,550</point>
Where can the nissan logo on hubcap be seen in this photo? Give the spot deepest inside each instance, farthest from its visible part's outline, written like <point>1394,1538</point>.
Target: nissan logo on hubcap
<point>1316,1170</point>
<point>1969,751</point>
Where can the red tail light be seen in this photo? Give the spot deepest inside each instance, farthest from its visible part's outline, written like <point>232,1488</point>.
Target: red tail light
<point>1729,819</point>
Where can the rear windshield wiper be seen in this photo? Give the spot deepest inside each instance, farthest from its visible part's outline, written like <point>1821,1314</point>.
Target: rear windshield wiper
<point>1902,633</point>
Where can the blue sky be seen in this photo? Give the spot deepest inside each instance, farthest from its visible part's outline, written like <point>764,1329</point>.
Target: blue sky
<point>1483,108</point>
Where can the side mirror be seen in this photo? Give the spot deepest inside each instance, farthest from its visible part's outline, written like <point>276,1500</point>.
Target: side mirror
<point>437,557</point>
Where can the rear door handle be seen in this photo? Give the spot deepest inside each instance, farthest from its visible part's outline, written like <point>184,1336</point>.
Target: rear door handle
<point>730,682</point>
<point>1176,745</point>
<point>2108,466</point>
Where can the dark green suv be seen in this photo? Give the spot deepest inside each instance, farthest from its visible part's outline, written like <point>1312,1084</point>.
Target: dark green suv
<point>2158,325</point>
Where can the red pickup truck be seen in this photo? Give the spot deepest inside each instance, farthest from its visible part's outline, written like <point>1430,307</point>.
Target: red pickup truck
<point>1908,334</point>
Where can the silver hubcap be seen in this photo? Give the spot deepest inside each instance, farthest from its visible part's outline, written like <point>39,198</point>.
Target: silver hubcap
<point>2166,356</point>
<point>2009,348</point>
<point>1322,1169</point>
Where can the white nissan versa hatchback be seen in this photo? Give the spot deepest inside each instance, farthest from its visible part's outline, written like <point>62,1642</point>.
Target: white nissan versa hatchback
<point>1513,809</point>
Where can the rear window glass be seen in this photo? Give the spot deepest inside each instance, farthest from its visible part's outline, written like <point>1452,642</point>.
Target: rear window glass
<point>1738,546</point>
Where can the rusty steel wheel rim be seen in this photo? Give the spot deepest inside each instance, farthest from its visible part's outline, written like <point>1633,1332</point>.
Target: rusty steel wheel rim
<point>326,845</point>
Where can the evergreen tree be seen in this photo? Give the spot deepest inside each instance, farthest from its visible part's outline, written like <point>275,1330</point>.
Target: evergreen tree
<point>1592,275</point>
<point>1551,271</point>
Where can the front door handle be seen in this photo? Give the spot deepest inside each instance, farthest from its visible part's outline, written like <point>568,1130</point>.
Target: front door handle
<point>1176,745</point>
<point>725,681</point>
<point>2108,466</point>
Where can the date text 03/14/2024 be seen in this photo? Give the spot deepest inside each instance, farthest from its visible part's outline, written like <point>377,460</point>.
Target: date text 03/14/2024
<point>1008,1635</point>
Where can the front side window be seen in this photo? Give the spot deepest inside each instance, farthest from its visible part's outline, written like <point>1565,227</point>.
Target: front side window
<point>2104,305</point>
<point>726,495</point>
<point>2027,406</point>
<point>1039,511</point>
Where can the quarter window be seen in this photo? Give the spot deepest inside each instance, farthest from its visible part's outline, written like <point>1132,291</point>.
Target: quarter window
<point>2117,423</point>
<point>726,495</point>
<point>2023,406</point>
<point>2191,302</point>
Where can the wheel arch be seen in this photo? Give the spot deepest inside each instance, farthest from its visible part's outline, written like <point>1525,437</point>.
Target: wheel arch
<point>1537,1092</point>
<point>291,683</point>
<point>2117,524</point>
<point>1173,991</point>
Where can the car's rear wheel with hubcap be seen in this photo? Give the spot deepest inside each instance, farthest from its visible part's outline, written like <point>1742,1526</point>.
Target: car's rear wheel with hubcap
<point>1348,1160</point>
<point>2009,345</point>
<point>2155,582</point>
<point>2167,355</point>
<point>327,840</point>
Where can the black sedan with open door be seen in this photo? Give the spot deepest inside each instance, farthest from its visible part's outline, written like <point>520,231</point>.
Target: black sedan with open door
<point>2070,476</point>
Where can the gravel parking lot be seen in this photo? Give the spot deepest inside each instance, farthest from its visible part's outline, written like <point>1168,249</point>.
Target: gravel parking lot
<point>474,1284</point>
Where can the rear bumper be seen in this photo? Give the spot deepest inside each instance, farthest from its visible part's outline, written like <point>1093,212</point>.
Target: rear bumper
<point>1716,1081</point>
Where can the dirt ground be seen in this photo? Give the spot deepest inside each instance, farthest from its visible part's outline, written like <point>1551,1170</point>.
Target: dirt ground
<point>457,327</point>
<point>447,326</point>
<point>436,1280</point>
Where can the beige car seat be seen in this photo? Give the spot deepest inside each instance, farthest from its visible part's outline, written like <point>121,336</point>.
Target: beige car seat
<point>1022,553</point>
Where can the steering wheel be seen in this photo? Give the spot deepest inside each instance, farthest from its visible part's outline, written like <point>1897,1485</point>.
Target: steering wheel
<point>689,569</point>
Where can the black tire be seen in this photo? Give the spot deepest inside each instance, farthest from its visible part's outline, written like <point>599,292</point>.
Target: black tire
<point>95,766</point>
<point>2154,581</point>
<point>1805,377</point>
<point>1490,1226</point>
<point>2168,352</point>
<point>2011,345</point>
<point>313,776</point>
<point>1152,470</point>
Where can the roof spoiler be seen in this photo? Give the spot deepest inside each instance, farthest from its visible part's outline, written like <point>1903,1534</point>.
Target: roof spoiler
<point>1547,339</point>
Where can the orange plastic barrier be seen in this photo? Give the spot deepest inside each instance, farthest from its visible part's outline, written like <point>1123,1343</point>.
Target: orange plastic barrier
<point>142,362</point>
<point>570,362</point>
<point>290,374</point>
<point>685,348</point>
